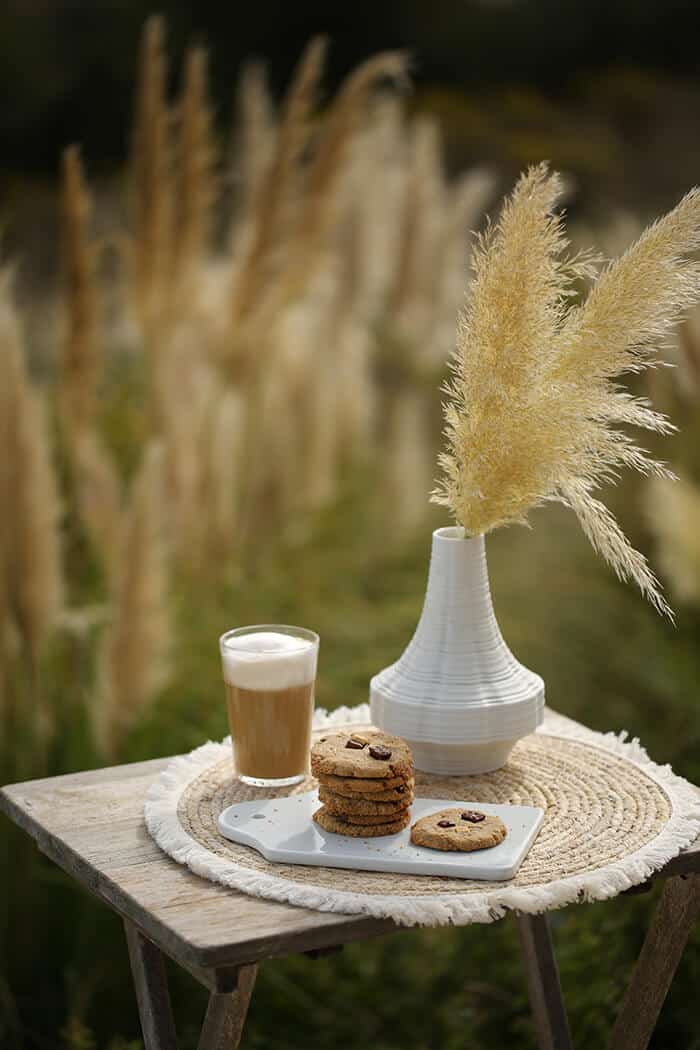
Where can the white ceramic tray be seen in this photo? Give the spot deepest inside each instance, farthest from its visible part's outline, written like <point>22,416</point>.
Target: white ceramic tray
<point>282,830</point>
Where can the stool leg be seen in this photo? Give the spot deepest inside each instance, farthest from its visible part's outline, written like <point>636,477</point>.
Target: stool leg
<point>548,1009</point>
<point>678,907</point>
<point>151,987</point>
<point>226,1013</point>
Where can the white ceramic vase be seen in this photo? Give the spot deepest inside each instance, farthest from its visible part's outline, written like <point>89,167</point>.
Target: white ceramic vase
<point>457,694</point>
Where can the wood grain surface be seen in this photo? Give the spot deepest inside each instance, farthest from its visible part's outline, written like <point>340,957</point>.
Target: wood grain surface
<point>91,824</point>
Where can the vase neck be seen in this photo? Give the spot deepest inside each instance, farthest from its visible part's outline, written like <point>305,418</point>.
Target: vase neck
<point>458,605</point>
<point>457,655</point>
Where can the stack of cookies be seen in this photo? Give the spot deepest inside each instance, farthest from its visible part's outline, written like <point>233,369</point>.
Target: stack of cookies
<point>365,783</point>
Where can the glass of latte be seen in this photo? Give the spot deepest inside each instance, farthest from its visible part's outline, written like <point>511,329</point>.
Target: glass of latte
<point>269,674</point>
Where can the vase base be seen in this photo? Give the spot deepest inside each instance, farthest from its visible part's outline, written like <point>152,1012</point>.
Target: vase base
<point>460,759</point>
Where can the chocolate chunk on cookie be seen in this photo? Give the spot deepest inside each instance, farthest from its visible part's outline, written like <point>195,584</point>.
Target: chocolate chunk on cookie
<point>356,742</point>
<point>380,752</point>
<point>473,816</point>
<point>342,805</point>
<point>330,822</point>
<point>448,830</point>
<point>382,757</point>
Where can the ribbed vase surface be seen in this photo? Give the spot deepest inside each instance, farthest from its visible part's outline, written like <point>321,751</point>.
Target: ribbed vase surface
<point>457,694</point>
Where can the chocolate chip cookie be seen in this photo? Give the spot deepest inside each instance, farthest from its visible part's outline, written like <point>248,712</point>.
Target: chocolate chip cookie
<point>366,820</point>
<point>362,786</point>
<point>330,822</point>
<point>368,754</point>
<point>342,805</point>
<point>402,791</point>
<point>460,830</point>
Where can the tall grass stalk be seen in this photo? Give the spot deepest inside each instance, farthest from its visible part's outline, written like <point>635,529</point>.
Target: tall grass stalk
<point>133,651</point>
<point>98,495</point>
<point>277,194</point>
<point>31,588</point>
<point>195,187</point>
<point>151,182</point>
<point>222,493</point>
<point>322,200</point>
<point>253,139</point>
<point>81,359</point>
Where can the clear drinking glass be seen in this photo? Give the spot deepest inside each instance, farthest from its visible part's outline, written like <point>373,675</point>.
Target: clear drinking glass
<point>269,674</point>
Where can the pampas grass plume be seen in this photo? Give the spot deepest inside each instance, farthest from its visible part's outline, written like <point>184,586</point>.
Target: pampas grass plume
<point>98,495</point>
<point>277,195</point>
<point>224,476</point>
<point>341,124</point>
<point>534,409</point>
<point>255,139</point>
<point>31,571</point>
<point>133,650</point>
<point>80,364</point>
<point>195,182</point>
<point>151,177</point>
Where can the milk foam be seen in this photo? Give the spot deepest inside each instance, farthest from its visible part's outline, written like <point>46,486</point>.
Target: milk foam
<point>268,660</point>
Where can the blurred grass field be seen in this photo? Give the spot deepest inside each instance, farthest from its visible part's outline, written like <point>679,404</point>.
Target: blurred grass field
<point>210,455</point>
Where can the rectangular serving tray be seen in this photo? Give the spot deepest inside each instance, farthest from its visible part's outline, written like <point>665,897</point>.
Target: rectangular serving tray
<point>282,830</point>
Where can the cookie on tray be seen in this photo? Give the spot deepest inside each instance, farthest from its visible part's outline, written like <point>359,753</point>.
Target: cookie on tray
<point>403,790</point>
<point>368,754</point>
<point>330,822</point>
<point>362,786</point>
<point>366,819</point>
<point>461,830</point>
<point>341,805</point>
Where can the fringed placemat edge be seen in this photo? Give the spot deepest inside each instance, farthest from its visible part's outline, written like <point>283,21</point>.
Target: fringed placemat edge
<point>161,816</point>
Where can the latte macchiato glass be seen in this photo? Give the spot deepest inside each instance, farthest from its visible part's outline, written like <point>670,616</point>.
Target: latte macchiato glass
<point>269,674</point>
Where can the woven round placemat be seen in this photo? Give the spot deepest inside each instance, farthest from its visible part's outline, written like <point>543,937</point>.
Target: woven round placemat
<point>612,817</point>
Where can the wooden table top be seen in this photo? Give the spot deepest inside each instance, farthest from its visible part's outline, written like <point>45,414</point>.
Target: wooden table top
<point>91,824</point>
